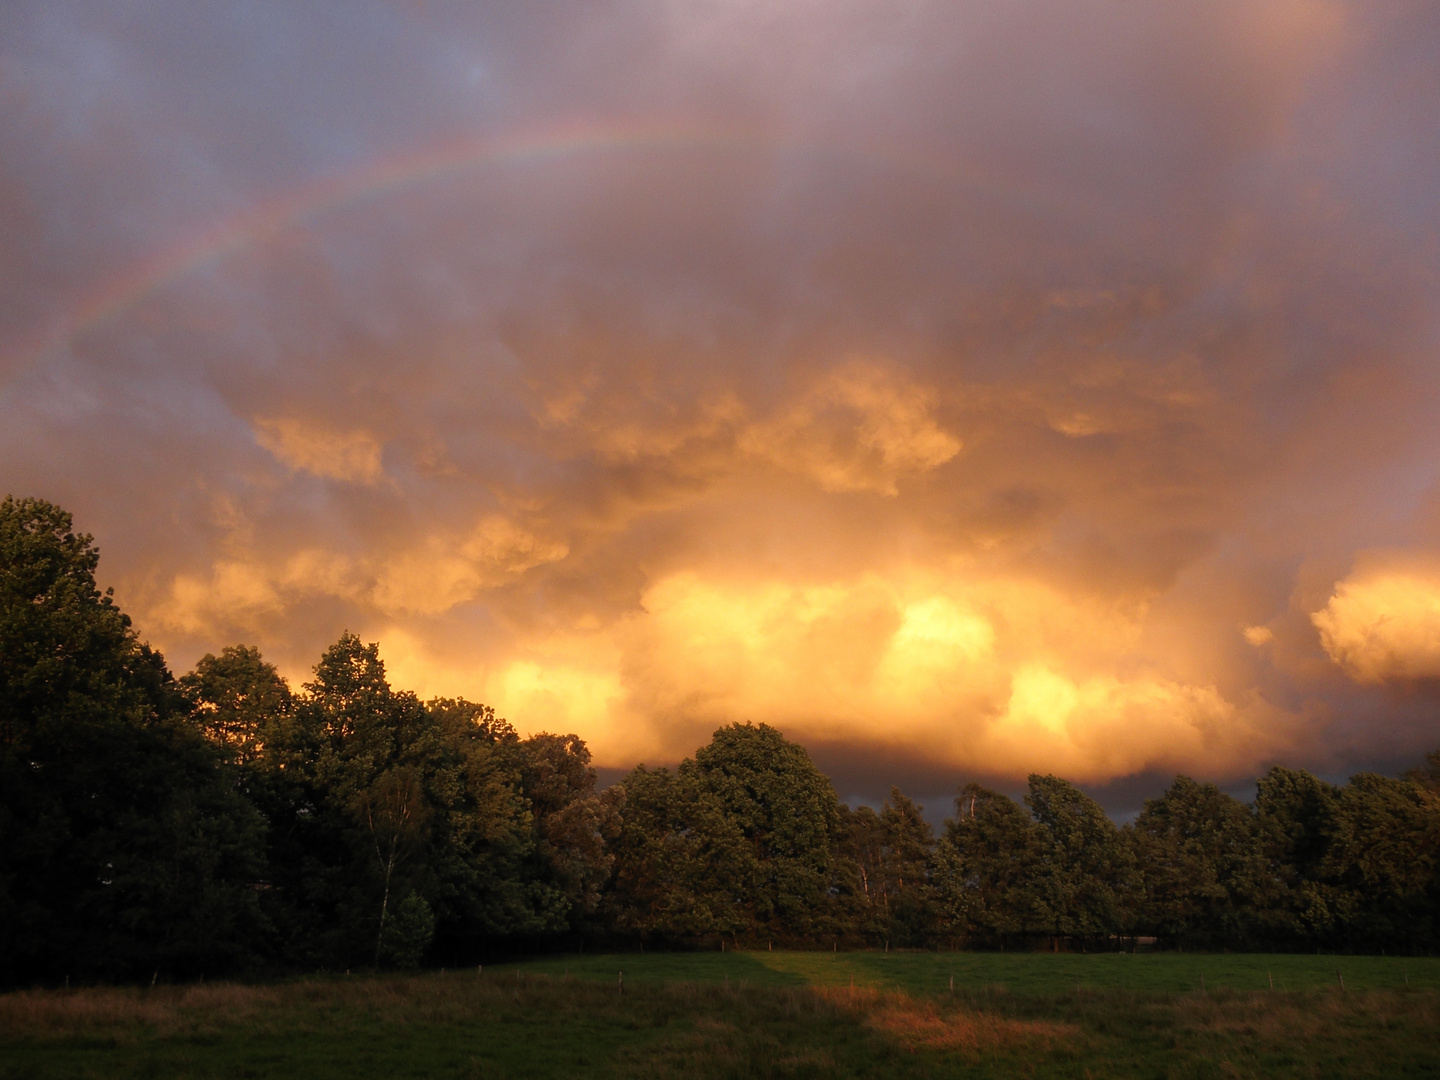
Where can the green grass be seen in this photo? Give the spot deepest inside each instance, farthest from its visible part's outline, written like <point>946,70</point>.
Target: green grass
<point>782,1014</point>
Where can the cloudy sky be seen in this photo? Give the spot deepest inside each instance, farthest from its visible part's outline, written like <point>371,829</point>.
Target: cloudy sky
<point>966,389</point>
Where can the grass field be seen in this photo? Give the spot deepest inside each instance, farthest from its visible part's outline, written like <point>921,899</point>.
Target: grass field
<point>759,1014</point>
<point>926,973</point>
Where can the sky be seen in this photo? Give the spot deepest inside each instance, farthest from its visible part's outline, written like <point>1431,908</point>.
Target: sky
<point>965,389</point>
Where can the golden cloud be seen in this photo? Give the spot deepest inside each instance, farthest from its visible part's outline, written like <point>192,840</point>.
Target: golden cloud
<point>1099,726</point>
<point>240,592</point>
<point>993,673</point>
<point>874,404</point>
<point>860,428</point>
<point>861,425</point>
<point>426,578</point>
<point>1383,621</point>
<point>308,446</point>
<point>443,572</point>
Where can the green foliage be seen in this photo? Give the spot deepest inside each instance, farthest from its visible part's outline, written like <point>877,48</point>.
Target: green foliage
<point>572,822</point>
<point>892,855</point>
<point>987,867</point>
<point>406,935</point>
<point>239,701</point>
<point>786,811</point>
<point>737,841</point>
<point>681,862</point>
<point>1088,874</point>
<point>1428,775</point>
<point>1206,879</point>
<point>123,842</point>
<point>1062,870</point>
<point>389,796</point>
<point>1357,864</point>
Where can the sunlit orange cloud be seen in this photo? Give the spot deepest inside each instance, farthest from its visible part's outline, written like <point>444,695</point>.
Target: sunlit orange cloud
<point>955,654</point>
<point>1000,676</point>
<point>1383,622</point>
<point>976,388</point>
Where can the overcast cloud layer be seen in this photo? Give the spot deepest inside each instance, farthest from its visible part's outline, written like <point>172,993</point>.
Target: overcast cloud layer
<point>966,389</point>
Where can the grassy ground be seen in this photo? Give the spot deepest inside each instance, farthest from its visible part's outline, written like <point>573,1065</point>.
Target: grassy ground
<point>924,973</point>
<point>756,1014</point>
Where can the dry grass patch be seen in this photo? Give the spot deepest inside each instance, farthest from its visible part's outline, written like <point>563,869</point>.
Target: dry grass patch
<point>1308,1016</point>
<point>122,1013</point>
<point>915,1023</point>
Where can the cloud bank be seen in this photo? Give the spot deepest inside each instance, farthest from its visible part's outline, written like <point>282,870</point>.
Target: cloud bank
<point>968,389</point>
<point>1383,623</point>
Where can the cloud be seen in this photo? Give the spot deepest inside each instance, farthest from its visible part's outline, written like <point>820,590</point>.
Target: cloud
<point>444,572</point>
<point>248,590</point>
<point>859,429</point>
<point>1383,622</point>
<point>1100,727</point>
<point>945,384</point>
<point>347,456</point>
<point>242,594</point>
<point>971,669</point>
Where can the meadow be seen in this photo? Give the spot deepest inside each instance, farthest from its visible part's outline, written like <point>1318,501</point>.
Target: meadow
<point>766,1014</point>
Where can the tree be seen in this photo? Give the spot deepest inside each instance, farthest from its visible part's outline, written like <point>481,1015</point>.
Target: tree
<point>406,937</point>
<point>1427,775</point>
<point>395,797</point>
<point>1088,876</point>
<point>988,865</point>
<point>239,701</point>
<point>1206,880</point>
<point>682,863</point>
<point>788,813</point>
<point>393,809</point>
<point>737,840</point>
<point>1062,870</point>
<point>488,879</point>
<point>1299,819</point>
<point>124,841</point>
<point>892,853</point>
<point>1360,860</point>
<point>572,821</point>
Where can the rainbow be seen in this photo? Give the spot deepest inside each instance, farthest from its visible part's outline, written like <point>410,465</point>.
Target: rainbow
<point>147,277</point>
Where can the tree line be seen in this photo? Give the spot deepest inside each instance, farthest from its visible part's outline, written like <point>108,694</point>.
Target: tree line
<point>222,823</point>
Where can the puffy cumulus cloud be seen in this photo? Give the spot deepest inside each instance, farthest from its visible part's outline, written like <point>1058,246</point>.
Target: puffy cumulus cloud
<point>568,683</point>
<point>857,425</point>
<point>859,429</point>
<point>241,594</point>
<point>250,590</point>
<point>987,385</point>
<point>1100,727</point>
<point>443,572</point>
<point>349,456</point>
<point>973,669</point>
<point>1383,622</point>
